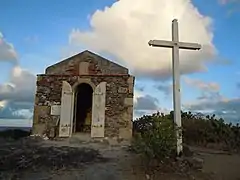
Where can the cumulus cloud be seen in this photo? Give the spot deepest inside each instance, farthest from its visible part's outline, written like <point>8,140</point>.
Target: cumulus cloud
<point>204,86</point>
<point>211,101</point>
<point>209,91</point>
<point>20,88</point>
<point>228,109</point>
<point>2,104</point>
<point>125,28</point>
<point>14,111</point>
<point>146,102</point>
<point>7,51</point>
<point>17,96</point>
<point>137,94</point>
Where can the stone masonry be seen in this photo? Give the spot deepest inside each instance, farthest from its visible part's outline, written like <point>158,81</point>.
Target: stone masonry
<point>87,67</point>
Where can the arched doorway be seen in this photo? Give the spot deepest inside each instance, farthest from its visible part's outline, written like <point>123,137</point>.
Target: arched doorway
<point>83,108</point>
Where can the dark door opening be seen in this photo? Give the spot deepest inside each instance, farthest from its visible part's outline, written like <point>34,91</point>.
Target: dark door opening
<point>83,109</point>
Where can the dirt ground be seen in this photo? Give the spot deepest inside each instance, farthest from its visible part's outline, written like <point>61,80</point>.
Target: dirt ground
<point>222,165</point>
<point>73,160</point>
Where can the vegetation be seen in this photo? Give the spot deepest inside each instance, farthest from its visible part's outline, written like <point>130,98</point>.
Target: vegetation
<point>208,130</point>
<point>154,135</point>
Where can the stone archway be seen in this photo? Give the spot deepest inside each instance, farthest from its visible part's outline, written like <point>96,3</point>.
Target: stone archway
<point>83,108</point>
<point>98,107</point>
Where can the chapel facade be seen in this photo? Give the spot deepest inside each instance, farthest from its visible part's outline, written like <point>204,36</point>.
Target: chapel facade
<point>86,94</point>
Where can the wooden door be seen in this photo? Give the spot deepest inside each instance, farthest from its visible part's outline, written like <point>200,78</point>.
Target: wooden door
<point>66,110</point>
<point>98,110</point>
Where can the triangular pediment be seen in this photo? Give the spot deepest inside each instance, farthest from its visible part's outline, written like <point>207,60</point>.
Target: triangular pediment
<point>96,64</point>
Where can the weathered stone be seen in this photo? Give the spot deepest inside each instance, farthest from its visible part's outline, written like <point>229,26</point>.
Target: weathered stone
<point>130,80</point>
<point>39,78</point>
<point>83,68</point>
<point>130,88</point>
<point>39,129</point>
<point>129,110</point>
<point>55,110</point>
<point>41,112</point>
<point>36,100</point>
<point>187,151</point>
<point>195,162</point>
<point>51,132</point>
<point>97,65</point>
<point>122,90</point>
<point>125,133</point>
<point>119,92</point>
<point>128,101</point>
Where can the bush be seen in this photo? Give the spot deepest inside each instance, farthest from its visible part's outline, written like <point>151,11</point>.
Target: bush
<point>207,130</point>
<point>154,137</point>
<point>200,130</point>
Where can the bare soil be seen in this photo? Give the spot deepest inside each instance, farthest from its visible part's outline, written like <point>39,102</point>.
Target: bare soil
<point>37,159</point>
<point>221,164</point>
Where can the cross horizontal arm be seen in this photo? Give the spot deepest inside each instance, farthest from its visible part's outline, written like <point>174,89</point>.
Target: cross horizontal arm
<point>191,46</point>
<point>171,44</point>
<point>161,43</point>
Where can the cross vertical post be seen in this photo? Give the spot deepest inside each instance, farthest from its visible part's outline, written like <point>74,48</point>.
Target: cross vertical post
<point>176,45</point>
<point>176,85</point>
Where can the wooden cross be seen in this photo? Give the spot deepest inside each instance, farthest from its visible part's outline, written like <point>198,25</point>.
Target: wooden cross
<point>176,45</point>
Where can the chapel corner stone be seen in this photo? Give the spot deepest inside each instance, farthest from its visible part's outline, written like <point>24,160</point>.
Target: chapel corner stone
<point>128,101</point>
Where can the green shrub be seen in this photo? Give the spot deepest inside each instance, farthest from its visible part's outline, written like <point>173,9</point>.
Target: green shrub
<point>154,137</point>
<point>197,130</point>
<point>209,130</point>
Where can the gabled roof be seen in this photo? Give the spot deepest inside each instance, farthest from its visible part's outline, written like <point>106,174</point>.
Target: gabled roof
<point>83,53</point>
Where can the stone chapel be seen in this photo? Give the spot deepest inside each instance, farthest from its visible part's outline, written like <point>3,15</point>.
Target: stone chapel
<point>84,94</point>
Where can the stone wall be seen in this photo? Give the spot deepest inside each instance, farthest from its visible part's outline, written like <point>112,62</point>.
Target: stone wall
<point>86,63</point>
<point>119,103</point>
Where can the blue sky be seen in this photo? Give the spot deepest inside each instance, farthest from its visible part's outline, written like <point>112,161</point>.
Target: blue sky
<point>44,32</point>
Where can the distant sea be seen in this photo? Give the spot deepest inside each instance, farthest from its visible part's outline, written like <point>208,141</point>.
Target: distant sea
<point>3,128</point>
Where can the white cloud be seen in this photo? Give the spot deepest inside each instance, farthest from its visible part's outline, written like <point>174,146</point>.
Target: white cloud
<point>146,103</point>
<point>211,101</point>
<point>17,96</point>
<point>125,28</point>
<point>3,104</point>
<point>209,92</point>
<point>7,51</point>
<point>204,86</point>
<point>228,109</point>
<point>137,94</point>
<point>20,88</point>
